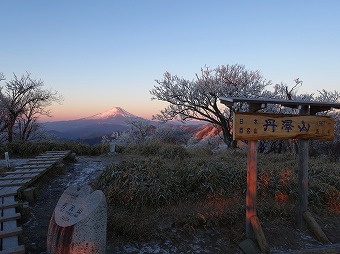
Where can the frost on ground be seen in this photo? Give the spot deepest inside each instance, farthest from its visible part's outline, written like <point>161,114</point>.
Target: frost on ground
<point>85,171</point>
<point>12,162</point>
<point>49,189</point>
<point>206,240</point>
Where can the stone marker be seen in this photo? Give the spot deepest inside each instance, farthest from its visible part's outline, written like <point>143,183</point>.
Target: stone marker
<point>72,157</point>
<point>249,247</point>
<point>7,160</point>
<point>78,223</point>
<point>112,147</point>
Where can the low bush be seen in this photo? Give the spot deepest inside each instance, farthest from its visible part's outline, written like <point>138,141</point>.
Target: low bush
<point>163,150</point>
<point>207,189</point>
<point>329,149</point>
<point>28,149</point>
<point>158,180</point>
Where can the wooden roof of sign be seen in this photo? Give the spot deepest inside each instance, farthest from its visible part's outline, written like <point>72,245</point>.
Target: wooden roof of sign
<point>262,102</point>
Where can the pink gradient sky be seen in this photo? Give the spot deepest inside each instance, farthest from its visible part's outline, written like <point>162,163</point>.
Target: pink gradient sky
<point>74,111</point>
<point>104,54</point>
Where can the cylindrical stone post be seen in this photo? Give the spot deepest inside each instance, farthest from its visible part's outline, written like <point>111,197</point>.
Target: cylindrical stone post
<point>78,224</point>
<point>112,147</point>
<point>7,160</point>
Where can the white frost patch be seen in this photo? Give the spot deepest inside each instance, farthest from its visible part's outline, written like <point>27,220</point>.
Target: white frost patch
<point>13,162</point>
<point>86,174</point>
<point>146,248</point>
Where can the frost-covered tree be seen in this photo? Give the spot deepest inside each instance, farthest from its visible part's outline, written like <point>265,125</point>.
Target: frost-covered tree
<point>198,99</point>
<point>23,100</point>
<point>282,91</point>
<point>138,131</point>
<point>2,115</point>
<point>171,134</point>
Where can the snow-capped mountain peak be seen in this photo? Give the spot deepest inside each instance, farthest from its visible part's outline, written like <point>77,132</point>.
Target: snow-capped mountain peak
<point>112,113</point>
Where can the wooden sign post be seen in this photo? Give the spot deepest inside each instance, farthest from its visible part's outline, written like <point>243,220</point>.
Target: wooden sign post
<point>302,202</point>
<point>253,126</point>
<point>257,126</point>
<point>251,182</point>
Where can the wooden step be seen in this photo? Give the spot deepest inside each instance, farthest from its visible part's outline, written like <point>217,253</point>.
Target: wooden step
<point>43,160</point>
<point>14,250</point>
<point>17,182</point>
<point>9,191</point>
<point>9,205</point>
<point>9,228</point>
<point>58,152</point>
<point>36,164</point>
<point>26,171</point>
<point>14,216</point>
<point>8,202</point>
<point>9,234</point>
<point>29,169</point>
<point>15,231</point>
<point>19,176</point>
<point>49,156</point>
<point>53,155</point>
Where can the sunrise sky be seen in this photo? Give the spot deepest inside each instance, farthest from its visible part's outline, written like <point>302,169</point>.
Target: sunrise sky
<point>102,54</point>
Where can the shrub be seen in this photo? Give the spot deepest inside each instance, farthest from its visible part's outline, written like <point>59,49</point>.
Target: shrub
<point>158,180</point>
<point>170,134</point>
<point>207,189</point>
<point>28,149</point>
<point>138,183</point>
<point>329,149</point>
<point>164,150</point>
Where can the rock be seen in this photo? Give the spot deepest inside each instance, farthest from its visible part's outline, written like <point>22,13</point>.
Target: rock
<point>78,224</point>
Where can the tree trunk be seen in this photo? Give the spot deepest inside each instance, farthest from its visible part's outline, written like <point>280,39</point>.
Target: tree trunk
<point>10,132</point>
<point>227,136</point>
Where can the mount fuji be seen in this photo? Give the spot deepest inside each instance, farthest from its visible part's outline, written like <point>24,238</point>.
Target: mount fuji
<point>115,119</point>
<point>112,114</point>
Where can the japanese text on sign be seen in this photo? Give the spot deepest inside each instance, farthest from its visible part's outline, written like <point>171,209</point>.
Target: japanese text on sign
<point>257,126</point>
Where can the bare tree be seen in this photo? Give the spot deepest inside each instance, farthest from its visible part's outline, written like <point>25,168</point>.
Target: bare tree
<point>198,99</point>
<point>27,124</point>
<point>138,131</point>
<point>283,91</point>
<point>2,111</point>
<point>23,101</point>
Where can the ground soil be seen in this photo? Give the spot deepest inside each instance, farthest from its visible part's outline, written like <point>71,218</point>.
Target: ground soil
<point>282,236</point>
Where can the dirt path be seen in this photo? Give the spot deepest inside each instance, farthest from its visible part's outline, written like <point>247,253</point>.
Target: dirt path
<point>49,189</point>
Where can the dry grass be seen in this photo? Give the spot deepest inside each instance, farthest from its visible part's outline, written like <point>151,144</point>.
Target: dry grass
<point>30,149</point>
<point>149,194</point>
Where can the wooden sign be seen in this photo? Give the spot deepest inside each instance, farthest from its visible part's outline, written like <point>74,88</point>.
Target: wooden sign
<point>261,126</point>
<point>77,204</point>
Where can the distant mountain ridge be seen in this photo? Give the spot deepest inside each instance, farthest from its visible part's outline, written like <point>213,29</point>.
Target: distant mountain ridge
<point>115,119</point>
<point>91,129</point>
